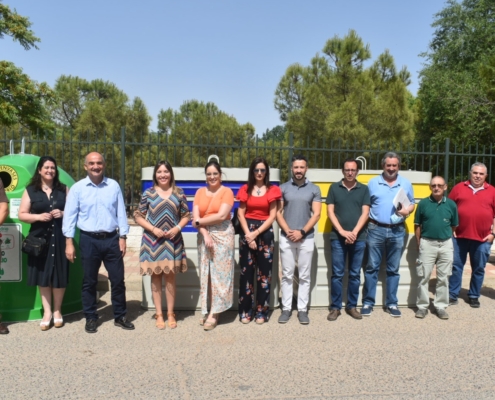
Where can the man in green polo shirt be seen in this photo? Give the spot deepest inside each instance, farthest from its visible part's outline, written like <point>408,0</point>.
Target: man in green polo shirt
<point>435,221</point>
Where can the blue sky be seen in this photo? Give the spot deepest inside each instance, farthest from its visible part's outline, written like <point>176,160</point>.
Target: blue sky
<point>231,53</point>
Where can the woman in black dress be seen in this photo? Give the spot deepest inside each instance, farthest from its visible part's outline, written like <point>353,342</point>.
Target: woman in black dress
<point>42,206</point>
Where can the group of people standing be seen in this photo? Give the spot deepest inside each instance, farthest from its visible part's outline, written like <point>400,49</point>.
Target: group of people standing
<point>163,213</point>
<point>446,230</point>
<point>362,216</point>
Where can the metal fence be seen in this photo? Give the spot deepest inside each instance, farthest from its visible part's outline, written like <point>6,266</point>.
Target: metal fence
<point>126,154</point>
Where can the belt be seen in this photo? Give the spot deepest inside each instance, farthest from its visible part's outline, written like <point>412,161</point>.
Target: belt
<point>435,240</point>
<point>100,235</point>
<point>385,225</point>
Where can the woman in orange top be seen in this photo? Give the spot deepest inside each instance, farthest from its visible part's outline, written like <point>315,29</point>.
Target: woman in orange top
<point>211,216</point>
<point>257,211</point>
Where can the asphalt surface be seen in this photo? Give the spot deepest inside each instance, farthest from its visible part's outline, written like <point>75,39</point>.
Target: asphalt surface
<point>379,357</point>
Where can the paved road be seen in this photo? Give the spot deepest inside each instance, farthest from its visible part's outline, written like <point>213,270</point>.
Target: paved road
<point>379,357</point>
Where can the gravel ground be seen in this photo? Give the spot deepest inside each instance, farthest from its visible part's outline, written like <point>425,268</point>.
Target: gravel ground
<point>375,358</point>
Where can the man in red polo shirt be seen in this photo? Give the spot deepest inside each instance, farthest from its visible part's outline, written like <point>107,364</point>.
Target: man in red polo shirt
<point>475,201</point>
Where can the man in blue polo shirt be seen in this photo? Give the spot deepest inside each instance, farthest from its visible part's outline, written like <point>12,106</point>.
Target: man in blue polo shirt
<point>297,216</point>
<point>348,209</point>
<point>386,233</point>
<point>434,222</point>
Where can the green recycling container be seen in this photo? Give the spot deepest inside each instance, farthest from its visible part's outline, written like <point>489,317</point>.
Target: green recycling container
<point>18,301</point>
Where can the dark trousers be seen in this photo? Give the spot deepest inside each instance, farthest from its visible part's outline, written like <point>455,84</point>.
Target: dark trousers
<point>259,261</point>
<point>93,252</point>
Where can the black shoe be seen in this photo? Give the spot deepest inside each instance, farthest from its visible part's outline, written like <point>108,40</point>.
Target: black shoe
<point>124,324</point>
<point>91,326</point>
<point>475,303</point>
<point>3,329</point>
<point>453,302</point>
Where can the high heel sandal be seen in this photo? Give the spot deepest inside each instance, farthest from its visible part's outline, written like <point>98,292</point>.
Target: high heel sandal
<point>58,322</point>
<point>208,326</point>
<point>45,325</point>
<point>172,323</point>
<point>160,325</point>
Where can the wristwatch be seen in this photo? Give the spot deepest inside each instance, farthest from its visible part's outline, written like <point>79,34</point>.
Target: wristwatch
<point>303,232</point>
<point>197,222</point>
<point>123,237</point>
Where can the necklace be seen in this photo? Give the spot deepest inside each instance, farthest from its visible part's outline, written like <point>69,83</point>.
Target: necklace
<point>45,187</point>
<point>258,191</point>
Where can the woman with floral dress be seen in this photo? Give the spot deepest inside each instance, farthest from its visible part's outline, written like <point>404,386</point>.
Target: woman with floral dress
<point>257,211</point>
<point>211,216</point>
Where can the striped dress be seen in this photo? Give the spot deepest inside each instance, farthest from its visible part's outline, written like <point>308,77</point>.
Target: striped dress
<point>159,255</point>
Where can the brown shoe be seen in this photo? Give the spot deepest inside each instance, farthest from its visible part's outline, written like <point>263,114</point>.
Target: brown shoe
<point>333,314</point>
<point>353,313</point>
<point>3,329</point>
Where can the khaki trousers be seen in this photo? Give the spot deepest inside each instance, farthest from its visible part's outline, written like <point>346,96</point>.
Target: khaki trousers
<point>441,254</point>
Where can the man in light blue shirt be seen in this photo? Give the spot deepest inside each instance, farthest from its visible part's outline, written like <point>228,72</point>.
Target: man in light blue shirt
<point>96,206</point>
<point>386,233</point>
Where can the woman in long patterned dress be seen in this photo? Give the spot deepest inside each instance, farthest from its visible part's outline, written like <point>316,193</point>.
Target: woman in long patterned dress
<point>257,211</point>
<point>42,206</point>
<point>211,216</point>
<point>163,213</point>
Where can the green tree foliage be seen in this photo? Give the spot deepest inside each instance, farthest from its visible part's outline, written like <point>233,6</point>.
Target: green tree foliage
<point>455,99</point>
<point>22,100</point>
<point>198,122</point>
<point>16,26</point>
<point>97,111</point>
<point>337,98</point>
<point>276,134</point>
<point>97,107</point>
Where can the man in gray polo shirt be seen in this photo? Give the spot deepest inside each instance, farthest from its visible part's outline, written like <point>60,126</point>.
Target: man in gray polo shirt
<point>298,214</point>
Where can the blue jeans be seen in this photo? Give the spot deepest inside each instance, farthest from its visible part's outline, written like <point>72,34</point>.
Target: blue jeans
<point>478,255</point>
<point>354,253</point>
<point>387,242</point>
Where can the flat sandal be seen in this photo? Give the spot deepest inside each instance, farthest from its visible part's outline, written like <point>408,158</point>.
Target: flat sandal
<point>160,325</point>
<point>172,322</point>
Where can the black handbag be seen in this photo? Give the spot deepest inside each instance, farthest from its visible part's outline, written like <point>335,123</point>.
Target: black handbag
<point>236,223</point>
<point>34,246</point>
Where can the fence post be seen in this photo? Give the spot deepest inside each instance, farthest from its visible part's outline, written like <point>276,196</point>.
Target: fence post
<point>291,153</point>
<point>447,154</point>
<point>122,160</point>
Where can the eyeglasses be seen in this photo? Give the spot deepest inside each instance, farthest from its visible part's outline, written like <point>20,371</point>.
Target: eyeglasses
<point>437,185</point>
<point>350,170</point>
<point>259,170</point>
